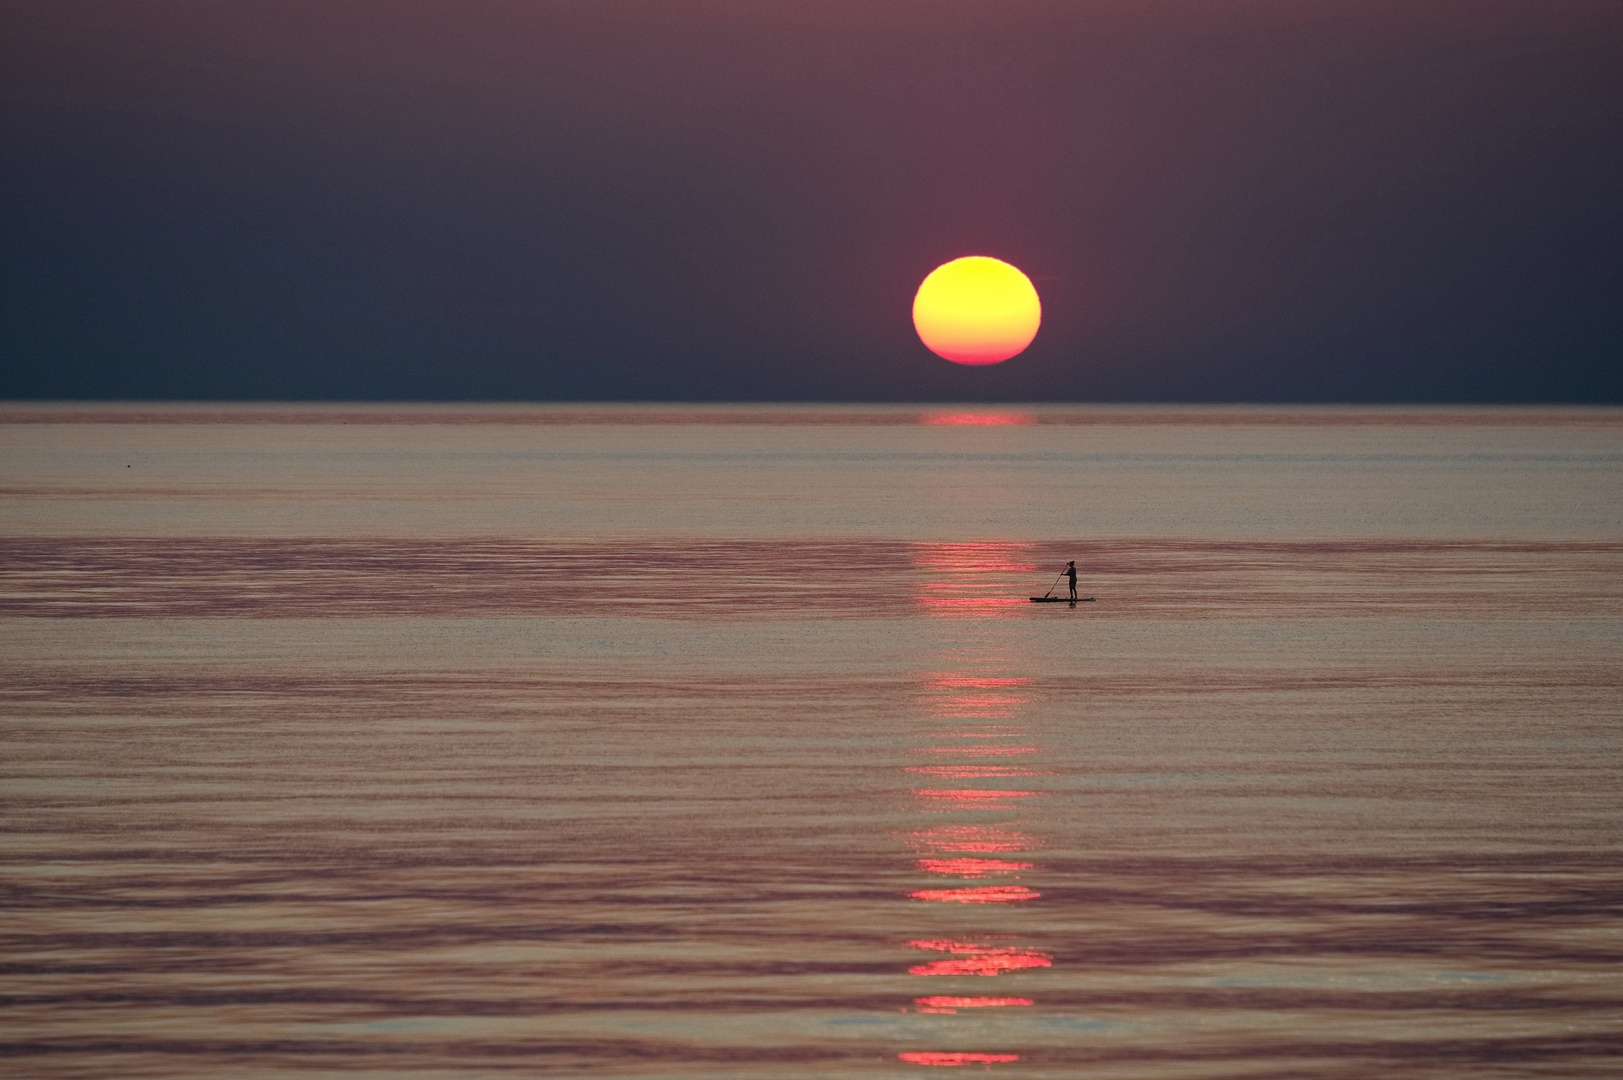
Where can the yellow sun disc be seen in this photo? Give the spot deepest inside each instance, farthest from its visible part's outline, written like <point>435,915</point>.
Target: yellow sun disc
<point>976,310</point>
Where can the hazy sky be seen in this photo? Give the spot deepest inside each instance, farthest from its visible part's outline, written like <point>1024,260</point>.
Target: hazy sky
<point>498,199</point>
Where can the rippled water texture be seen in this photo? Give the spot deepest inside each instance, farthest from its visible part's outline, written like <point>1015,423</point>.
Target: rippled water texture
<point>724,742</point>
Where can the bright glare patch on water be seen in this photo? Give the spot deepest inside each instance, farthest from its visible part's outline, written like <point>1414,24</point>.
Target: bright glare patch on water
<point>977,419</point>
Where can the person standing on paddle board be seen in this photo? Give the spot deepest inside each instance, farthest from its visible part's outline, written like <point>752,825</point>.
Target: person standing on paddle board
<point>1070,572</point>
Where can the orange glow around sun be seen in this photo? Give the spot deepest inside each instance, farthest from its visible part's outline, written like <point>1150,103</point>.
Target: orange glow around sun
<point>976,310</point>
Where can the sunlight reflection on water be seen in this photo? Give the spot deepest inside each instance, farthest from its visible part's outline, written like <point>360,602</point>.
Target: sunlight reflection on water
<point>980,693</point>
<point>977,419</point>
<point>602,742</point>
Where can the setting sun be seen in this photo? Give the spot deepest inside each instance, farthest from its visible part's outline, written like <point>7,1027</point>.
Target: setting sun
<point>976,310</point>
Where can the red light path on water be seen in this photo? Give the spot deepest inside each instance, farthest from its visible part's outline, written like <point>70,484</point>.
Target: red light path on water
<point>970,605</point>
<point>973,682</point>
<point>972,580</point>
<point>977,558</point>
<point>951,1059</point>
<point>972,796</point>
<point>977,419</point>
<point>965,697</point>
<point>973,958</point>
<point>980,839</point>
<point>970,772</point>
<point>981,705</point>
<point>982,894</point>
<point>945,1003</point>
<point>971,868</point>
<point>976,707</point>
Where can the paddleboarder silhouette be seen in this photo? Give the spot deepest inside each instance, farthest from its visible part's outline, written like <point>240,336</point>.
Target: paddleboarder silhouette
<point>1049,597</point>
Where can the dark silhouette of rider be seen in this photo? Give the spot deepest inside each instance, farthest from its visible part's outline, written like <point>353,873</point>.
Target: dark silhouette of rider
<point>1070,572</point>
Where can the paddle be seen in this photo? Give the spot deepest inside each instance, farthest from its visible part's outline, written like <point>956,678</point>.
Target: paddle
<point>1052,587</point>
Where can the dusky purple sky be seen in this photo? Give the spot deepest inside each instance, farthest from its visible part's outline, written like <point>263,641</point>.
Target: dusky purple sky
<point>1219,200</point>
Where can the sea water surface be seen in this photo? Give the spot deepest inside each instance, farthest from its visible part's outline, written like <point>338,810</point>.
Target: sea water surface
<point>724,742</point>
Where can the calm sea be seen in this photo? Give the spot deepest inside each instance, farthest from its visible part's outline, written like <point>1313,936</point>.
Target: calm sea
<point>447,742</point>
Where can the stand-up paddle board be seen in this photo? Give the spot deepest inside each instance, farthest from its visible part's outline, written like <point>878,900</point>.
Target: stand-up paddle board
<point>1061,600</point>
